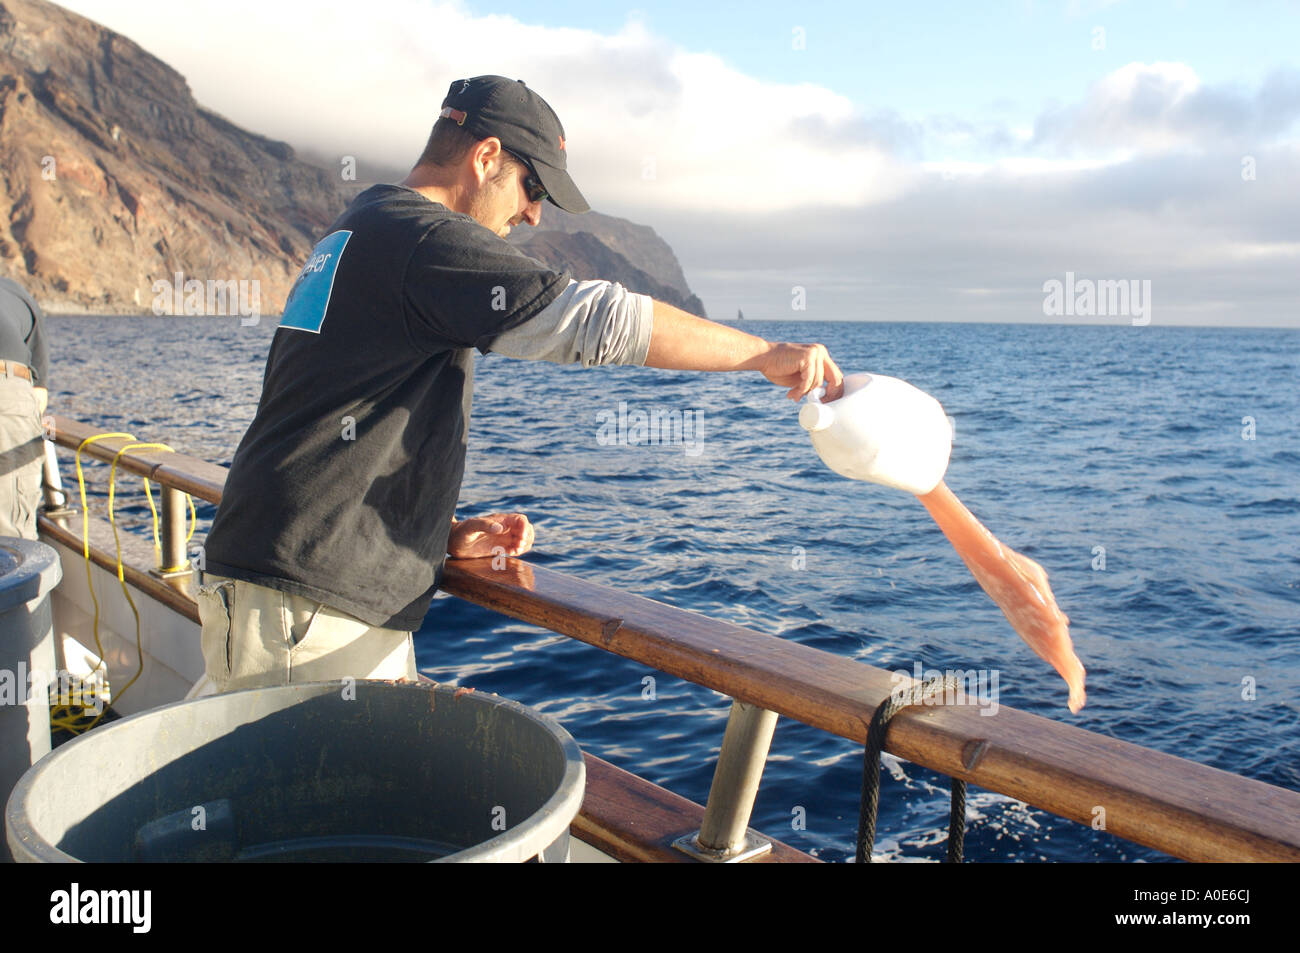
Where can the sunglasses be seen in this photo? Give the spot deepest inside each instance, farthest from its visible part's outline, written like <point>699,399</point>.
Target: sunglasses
<point>533,187</point>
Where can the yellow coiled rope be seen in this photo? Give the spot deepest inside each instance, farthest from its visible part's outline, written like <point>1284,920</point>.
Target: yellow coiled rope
<point>81,705</point>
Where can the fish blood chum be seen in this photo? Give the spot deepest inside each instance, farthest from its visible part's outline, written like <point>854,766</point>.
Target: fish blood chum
<point>886,431</point>
<point>1016,583</point>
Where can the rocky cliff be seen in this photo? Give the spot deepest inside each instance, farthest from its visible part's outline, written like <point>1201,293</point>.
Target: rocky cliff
<point>113,178</point>
<point>602,246</point>
<point>587,256</point>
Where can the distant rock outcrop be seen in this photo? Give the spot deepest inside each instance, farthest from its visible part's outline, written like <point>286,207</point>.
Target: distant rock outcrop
<point>630,245</point>
<point>586,256</point>
<point>113,178</point>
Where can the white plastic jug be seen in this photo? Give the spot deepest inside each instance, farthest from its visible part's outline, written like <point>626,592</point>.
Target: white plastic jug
<point>883,430</point>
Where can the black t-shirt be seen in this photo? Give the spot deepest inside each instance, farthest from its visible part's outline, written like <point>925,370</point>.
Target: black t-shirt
<point>344,487</point>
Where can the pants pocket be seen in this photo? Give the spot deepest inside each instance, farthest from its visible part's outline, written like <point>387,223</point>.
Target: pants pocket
<point>215,612</point>
<point>302,620</point>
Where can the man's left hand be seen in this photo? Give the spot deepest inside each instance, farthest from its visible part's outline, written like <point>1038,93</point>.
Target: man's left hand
<point>497,534</point>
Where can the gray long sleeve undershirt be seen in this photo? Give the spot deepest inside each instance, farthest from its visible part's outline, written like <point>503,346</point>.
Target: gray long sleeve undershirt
<point>591,322</point>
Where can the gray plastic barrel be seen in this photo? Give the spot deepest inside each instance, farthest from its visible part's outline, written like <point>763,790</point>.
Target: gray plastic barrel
<point>28,571</point>
<point>329,771</point>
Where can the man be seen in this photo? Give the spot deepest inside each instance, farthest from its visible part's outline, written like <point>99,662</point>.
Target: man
<point>339,508</point>
<point>24,382</point>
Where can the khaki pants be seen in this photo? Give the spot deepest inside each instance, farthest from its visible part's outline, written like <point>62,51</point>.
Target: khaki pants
<point>22,455</point>
<point>256,637</point>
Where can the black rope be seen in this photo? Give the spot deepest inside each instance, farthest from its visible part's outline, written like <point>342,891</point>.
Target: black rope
<point>876,731</point>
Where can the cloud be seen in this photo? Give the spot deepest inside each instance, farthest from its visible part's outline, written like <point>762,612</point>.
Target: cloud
<point>642,116</point>
<point>1218,249</point>
<point>1158,107</point>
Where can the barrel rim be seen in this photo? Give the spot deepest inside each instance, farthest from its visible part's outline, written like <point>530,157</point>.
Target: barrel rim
<point>37,570</point>
<point>557,811</point>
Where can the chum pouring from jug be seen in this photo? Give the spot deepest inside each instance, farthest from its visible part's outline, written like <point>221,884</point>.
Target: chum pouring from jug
<point>886,431</point>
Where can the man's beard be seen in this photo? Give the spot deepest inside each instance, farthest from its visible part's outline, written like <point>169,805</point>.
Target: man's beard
<point>486,203</point>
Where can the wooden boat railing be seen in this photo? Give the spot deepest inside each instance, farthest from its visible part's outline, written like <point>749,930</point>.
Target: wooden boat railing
<point>1183,808</point>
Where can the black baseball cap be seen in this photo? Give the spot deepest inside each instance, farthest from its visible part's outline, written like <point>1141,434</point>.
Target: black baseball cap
<point>526,125</point>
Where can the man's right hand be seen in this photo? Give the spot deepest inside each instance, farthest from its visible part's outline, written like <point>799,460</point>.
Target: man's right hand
<point>803,368</point>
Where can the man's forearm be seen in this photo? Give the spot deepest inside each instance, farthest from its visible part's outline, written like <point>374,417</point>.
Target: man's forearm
<point>681,341</point>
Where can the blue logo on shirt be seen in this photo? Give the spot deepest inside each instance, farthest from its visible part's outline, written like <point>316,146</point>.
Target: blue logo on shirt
<point>310,297</point>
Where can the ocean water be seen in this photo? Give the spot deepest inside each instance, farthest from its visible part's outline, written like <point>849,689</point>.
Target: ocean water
<point>1154,472</point>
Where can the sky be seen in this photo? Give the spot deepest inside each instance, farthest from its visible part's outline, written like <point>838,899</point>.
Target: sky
<point>839,161</point>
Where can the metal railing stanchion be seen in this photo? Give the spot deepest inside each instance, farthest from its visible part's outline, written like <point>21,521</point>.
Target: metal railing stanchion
<point>56,501</point>
<point>724,835</point>
<point>174,515</point>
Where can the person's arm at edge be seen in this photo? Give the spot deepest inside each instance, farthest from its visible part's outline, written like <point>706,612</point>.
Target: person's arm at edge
<point>40,356</point>
<point>683,342</point>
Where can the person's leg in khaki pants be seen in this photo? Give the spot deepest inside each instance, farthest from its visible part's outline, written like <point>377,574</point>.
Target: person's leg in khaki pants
<point>257,637</point>
<point>22,455</point>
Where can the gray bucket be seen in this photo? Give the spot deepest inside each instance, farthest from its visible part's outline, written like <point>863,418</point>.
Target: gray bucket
<point>330,771</point>
<point>28,571</point>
